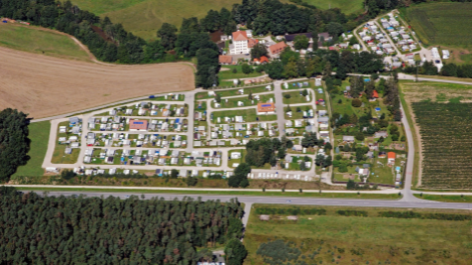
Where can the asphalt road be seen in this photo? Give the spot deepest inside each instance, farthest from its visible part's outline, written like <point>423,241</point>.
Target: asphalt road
<point>285,200</point>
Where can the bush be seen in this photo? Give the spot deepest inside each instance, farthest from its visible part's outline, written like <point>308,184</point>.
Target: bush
<point>360,136</point>
<point>191,181</point>
<point>352,213</point>
<point>356,103</point>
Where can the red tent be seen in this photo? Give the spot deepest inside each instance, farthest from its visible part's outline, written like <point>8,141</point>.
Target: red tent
<point>375,94</point>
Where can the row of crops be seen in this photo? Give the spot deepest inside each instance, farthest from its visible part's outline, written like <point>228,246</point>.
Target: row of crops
<point>446,132</point>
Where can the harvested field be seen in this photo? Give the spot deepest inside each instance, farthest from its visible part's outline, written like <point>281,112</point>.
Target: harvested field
<point>44,86</point>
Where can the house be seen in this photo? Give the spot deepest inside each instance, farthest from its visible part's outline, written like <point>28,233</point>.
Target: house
<point>261,60</point>
<point>391,158</point>
<point>240,43</point>
<point>324,36</point>
<point>277,48</point>
<point>379,134</point>
<point>251,43</point>
<point>348,139</point>
<point>235,155</point>
<point>382,155</point>
<point>73,120</point>
<point>265,108</point>
<point>68,151</point>
<point>138,125</point>
<point>225,59</point>
<point>445,54</point>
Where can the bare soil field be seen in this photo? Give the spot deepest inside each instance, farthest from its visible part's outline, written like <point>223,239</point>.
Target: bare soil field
<point>45,86</point>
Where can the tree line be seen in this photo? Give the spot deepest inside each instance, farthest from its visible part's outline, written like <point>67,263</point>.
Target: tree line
<point>14,142</point>
<point>64,230</point>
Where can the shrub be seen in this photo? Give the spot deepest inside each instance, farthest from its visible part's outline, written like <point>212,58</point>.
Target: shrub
<point>356,103</point>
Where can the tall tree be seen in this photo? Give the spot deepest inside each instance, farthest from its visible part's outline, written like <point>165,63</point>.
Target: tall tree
<point>168,36</point>
<point>14,142</point>
<point>235,252</point>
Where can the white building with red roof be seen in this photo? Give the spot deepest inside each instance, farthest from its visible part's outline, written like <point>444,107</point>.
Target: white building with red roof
<point>240,43</point>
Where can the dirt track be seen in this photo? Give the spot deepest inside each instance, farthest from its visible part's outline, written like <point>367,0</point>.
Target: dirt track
<point>45,86</point>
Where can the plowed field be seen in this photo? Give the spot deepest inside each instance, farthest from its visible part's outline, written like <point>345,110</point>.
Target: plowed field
<point>45,86</point>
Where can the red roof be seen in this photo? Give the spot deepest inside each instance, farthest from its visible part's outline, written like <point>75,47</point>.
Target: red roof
<point>138,125</point>
<point>252,42</point>
<point>277,48</point>
<point>265,107</point>
<point>391,155</point>
<point>239,36</point>
<point>375,94</point>
<point>228,59</point>
<point>263,59</point>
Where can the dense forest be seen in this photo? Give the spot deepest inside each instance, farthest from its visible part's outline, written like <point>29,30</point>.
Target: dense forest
<point>14,142</point>
<point>60,230</point>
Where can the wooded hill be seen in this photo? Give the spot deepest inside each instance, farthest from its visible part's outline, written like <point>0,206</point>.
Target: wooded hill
<point>60,230</point>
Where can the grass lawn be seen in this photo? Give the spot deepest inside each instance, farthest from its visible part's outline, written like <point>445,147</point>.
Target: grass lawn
<point>145,17</point>
<point>238,161</point>
<point>296,97</point>
<point>233,102</point>
<point>295,114</point>
<point>445,198</point>
<point>231,92</point>
<point>39,135</point>
<point>346,6</point>
<point>249,115</point>
<point>336,239</point>
<point>33,39</point>
<point>59,157</point>
<point>228,74</point>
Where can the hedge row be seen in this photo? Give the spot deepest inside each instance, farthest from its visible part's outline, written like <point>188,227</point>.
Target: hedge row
<point>290,211</point>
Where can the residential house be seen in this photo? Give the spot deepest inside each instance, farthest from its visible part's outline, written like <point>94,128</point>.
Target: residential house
<point>225,59</point>
<point>277,48</point>
<point>379,134</point>
<point>348,139</point>
<point>391,158</point>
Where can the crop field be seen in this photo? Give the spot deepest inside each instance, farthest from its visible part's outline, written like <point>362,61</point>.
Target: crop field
<point>145,17</point>
<point>442,23</point>
<point>446,143</point>
<point>40,40</point>
<point>46,86</point>
<point>343,235</point>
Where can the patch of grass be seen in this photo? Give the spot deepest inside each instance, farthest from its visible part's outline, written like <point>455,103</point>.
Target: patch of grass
<point>145,17</point>
<point>332,238</point>
<point>39,135</point>
<point>228,74</point>
<point>38,40</point>
<point>444,198</point>
<point>296,97</point>
<point>346,6</point>
<point>441,23</point>
<point>249,115</point>
<point>233,102</point>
